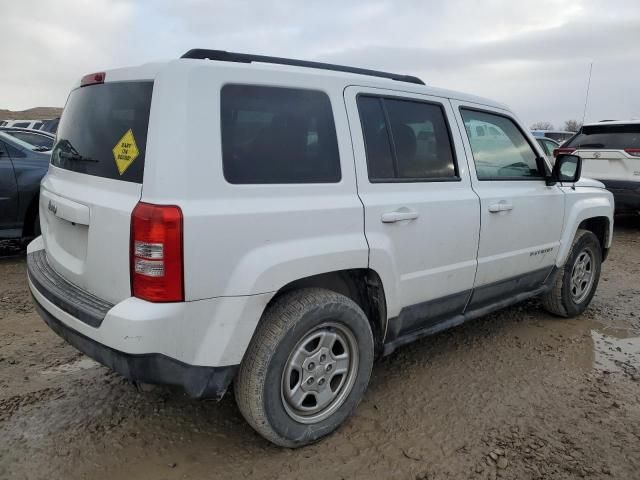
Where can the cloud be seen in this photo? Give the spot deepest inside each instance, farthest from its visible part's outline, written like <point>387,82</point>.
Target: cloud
<point>47,46</point>
<point>532,54</point>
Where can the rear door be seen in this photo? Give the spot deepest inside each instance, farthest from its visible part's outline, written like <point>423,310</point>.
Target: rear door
<point>93,184</point>
<point>421,216</point>
<point>521,216</point>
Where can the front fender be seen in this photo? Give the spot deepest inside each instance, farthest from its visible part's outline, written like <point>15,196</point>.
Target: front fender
<point>582,205</point>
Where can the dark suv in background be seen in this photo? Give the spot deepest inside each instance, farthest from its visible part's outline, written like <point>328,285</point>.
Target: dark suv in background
<point>22,166</point>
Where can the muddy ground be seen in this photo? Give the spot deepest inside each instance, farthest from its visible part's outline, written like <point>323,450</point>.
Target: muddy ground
<point>518,394</point>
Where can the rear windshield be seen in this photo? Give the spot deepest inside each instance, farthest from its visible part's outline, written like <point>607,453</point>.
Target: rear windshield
<point>614,137</point>
<point>103,131</point>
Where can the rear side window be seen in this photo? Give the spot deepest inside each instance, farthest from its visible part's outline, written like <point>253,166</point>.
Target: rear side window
<point>614,137</point>
<point>103,130</point>
<point>405,140</point>
<point>278,135</point>
<point>500,150</point>
<point>21,124</point>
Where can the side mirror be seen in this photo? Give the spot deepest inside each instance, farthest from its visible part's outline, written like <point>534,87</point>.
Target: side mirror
<point>567,168</point>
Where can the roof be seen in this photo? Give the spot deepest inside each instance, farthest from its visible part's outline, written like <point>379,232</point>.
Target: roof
<point>28,130</point>
<point>346,77</point>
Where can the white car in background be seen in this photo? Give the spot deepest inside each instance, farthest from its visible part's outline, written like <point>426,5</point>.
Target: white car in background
<point>548,146</point>
<point>610,152</point>
<point>557,135</point>
<point>29,124</point>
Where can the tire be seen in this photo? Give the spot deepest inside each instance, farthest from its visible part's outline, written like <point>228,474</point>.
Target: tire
<point>269,385</point>
<point>564,299</point>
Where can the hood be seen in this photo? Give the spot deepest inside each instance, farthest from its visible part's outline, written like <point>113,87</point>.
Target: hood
<point>589,182</point>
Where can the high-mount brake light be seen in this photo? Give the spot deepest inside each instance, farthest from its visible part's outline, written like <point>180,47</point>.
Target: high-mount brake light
<point>157,273</point>
<point>92,79</point>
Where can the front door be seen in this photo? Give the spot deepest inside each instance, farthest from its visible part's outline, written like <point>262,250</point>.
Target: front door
<point>521,216</point>
<point>422,218</point>
<point>8,191</point>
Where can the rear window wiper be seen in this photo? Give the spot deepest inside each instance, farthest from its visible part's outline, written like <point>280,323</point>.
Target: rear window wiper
<point>76,157</point>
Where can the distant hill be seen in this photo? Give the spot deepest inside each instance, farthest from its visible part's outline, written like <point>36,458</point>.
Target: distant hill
<point>37,113</point>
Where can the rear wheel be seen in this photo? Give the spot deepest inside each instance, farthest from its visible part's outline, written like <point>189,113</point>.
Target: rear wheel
<point>307,367</point>
<point>576,284</point>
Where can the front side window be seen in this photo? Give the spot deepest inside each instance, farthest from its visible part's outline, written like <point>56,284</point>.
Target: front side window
<point>405,140</point>
<point>274,135</point>
<point>500,150</point>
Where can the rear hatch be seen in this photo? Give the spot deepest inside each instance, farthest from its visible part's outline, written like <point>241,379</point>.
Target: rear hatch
<point>609,152</point>
<point>94,183</point>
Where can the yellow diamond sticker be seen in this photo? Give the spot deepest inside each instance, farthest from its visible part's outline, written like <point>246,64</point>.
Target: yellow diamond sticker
<point>125,151</point>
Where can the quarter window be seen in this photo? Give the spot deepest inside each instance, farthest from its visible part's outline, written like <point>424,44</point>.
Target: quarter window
<point>278,135</point>
<point>500,150</point>
<point>405,140</point>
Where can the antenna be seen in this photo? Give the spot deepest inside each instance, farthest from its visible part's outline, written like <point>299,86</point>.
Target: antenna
<point>586,97</point>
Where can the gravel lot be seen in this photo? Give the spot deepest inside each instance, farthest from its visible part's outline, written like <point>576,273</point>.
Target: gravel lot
<point>518,394</point>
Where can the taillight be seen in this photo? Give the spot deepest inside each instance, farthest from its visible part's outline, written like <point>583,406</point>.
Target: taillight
<point>92,79</point>
<point>156,253</point>
<point>634,152</point>
<point>561,150</point>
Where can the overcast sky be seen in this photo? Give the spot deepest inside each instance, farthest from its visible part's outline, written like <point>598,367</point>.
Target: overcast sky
<point>532,55</point>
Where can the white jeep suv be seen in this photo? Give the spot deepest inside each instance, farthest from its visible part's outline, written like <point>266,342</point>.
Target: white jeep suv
<point>279,224</point>
<point>610,152</point>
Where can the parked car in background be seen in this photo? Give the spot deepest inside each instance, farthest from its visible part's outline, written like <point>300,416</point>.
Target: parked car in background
<point>22,166</point>
<point>37,138</point>
<point>610,152</point>
<point>32,124</point>
<point>557,135</point>
<point>548,146</point>
<point>332,215</point>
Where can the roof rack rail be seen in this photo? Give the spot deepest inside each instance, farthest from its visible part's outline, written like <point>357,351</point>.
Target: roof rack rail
<point>224,56</point>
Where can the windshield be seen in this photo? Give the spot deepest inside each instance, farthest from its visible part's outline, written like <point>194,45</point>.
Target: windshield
<point>17,142</point>
<point>612,137</point>
<point>103,130</point>
<point>43,141</point>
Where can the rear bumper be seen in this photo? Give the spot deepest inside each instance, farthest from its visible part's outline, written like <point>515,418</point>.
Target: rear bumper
<point>198,382</point>
<point>626,194</point>
<point>197,345</point>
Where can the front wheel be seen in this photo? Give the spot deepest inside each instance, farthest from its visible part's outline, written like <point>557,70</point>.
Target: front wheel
<point>576,283</point>
<point>307,367</point>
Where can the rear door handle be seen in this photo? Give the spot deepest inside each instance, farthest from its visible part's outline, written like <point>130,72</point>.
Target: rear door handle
<point>500,207</point>
<point>399,215</point>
